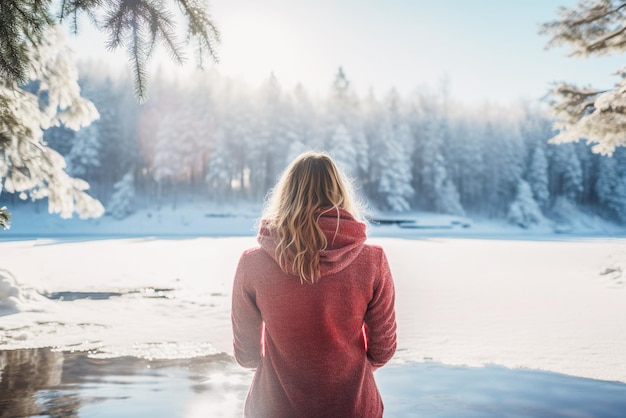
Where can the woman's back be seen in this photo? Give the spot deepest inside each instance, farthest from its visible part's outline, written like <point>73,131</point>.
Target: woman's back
<point>314,360</point>
<point>313,306</point>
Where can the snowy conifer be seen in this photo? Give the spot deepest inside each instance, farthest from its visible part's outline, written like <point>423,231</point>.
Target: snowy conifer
<point>504,162</point>
<point>122,201</point>
<point>28,166</point>
<point>394,184</point>
<point>565,172</point>
<point>136,26</point>
<point>344,121</point>
<point>270,132</point>
<point>171,155</point>
<point>524,210</point>
<point>610,187</point>
<point>118,145</point>
<point>464,157</point>
<point>537,176</point>
<point>306,120</point>
<point>32,48</point>
<point>590,27</point>
<point>436,191</point>
<point>5,218</point>
<point>219,168</point>
<point>85,151</point>
<point>447,200</point>
<point>343,150</point>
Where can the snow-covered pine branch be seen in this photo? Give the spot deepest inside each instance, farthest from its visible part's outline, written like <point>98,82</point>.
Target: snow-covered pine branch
<point>590,27</point>
<point>599,117</point>
<point>5,218</point>
<point>134,25</point>
<point>27,165</point>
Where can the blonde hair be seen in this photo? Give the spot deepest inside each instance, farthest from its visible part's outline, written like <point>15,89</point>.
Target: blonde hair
<point>309,187</point>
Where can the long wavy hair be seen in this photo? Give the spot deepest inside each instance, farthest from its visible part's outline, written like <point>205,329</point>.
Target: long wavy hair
<point>309,187</point>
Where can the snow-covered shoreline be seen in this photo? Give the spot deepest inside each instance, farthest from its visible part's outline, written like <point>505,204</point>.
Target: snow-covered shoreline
<point>534,314</point>
<point>544,305</point>
<point>215,220</point>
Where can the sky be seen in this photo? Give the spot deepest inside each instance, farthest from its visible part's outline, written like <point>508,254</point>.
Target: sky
<point>483,50</point>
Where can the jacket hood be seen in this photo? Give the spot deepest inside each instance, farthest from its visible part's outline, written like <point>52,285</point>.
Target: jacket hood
<point>344,234</point>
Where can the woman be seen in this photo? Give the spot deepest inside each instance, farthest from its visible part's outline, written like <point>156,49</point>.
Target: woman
<point>313,307</point>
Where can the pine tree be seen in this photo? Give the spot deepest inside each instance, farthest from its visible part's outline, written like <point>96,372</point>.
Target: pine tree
<point>504,162</point>
<point>591,27</point>
<point>135,25</point>
<point>536,129</point>
<point>118,150</point>
<point>220,172</point>
<point>343,150</point>
<point>524,210</point>
<point>271,132</point>
<point>229,161</point>
<point>465,162</point>
<point>537,177</point>
<point>343,111</point>
<point>197,121</point>
<point>5,218</point>
<point>565,173</point>
<point>448,200</point>
<point>394,184</point>
<point>30,49</point>
<point>436,191</point>
<point>306,122</point>
<point>27,165</point>
<point>84,153</point>
<point>121,203</point>
<point>610,187</point>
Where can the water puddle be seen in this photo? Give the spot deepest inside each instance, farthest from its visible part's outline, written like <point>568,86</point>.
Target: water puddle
<point>46,383</point>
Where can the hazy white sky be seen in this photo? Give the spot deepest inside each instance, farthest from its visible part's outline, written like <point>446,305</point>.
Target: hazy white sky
<point>489,50</point>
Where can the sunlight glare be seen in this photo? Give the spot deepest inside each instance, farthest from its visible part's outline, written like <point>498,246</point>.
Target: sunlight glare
<point>255,46</point>
<point>228,405</point>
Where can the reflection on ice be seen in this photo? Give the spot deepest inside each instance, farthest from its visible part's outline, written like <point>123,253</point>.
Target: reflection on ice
<point>161,351</point>
<point>541,305</point>
<point>41,382</point>
<point>23,373</point>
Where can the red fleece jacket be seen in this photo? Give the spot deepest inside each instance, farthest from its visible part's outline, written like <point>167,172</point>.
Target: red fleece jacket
<point>315,346</point>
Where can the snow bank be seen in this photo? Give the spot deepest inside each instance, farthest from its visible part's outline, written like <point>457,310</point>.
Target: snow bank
<point>470,292</point>
<point>15,299</point>
<point>544,305</point>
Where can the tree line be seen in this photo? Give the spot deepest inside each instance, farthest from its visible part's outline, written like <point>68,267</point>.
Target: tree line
<point>209,137</point>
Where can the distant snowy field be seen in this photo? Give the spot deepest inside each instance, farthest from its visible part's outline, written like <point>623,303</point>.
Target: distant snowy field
<point>158,285</point>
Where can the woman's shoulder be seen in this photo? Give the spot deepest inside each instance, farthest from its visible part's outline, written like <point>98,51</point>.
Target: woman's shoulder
<point>372,254</point>
<point>372,249</point>
<point>253,252</point>
<point>254,255</point>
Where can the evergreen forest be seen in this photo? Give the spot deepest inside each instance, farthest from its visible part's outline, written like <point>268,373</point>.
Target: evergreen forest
<point>210,138</point>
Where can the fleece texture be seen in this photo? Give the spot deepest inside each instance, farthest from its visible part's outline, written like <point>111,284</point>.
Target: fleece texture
<point>315,346</point>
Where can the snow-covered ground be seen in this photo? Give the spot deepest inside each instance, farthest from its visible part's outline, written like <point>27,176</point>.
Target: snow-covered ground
<point>466,295</point>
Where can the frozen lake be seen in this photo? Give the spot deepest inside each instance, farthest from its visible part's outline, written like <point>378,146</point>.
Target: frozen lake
<point>508,323</point>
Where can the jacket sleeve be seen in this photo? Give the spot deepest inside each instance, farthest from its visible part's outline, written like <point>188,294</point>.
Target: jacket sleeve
<point>380,318</point>
<point>246,320</point>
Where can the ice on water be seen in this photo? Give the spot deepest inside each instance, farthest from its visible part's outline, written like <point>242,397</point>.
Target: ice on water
<point>540,302</point>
